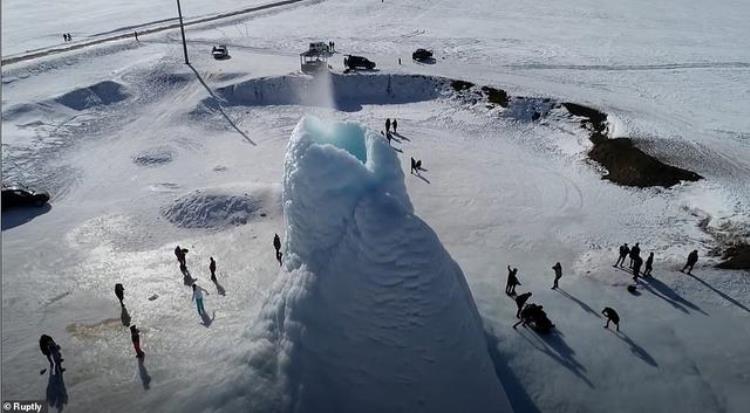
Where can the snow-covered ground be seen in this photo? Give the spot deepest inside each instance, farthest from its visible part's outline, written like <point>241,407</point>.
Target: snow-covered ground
<point>142,153</point>
<point>39,24</point>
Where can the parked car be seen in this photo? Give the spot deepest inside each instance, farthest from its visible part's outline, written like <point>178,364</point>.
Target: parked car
<point>422,55</point>
<point>16,195</point>
<point>358,62</point>
<point>220,52</point>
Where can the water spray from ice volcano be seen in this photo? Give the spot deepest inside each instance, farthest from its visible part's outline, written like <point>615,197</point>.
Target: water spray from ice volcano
<point>370,313</point>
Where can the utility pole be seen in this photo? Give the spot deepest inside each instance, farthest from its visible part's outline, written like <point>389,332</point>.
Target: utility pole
<point>182,29</point>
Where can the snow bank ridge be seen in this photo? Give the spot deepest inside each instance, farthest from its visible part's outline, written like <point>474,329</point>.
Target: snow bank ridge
<point>102,93</point>
<point>371,314</point>
<point>344,92</point>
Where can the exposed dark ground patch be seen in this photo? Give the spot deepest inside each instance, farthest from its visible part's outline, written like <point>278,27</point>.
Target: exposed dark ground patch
<point>630,166</point>
<point>626,164</point>
<point>593,120</point>
<point>459,85</point>
<point>496,96</point>
<point>736,258</point>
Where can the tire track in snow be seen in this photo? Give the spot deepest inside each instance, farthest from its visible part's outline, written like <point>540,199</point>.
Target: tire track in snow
<point>665,66</point>
<point>56,49</point>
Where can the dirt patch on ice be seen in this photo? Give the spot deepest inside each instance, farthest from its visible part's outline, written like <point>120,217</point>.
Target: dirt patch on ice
<point>496,96</point>
<point>627,165</point>
<point>214,209</point>
<point>154,157</point>
<point>592,120</point>
<point>736,258</point>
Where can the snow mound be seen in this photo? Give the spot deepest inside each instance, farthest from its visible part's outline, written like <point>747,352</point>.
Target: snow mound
<point>215,209</point>
<point>154,157</point>
<point>102,93</point>
<point>371,313</point>
<point>343,92</point>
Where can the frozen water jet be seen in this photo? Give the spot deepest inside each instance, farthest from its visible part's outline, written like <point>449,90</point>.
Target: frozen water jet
<point>370,313</point>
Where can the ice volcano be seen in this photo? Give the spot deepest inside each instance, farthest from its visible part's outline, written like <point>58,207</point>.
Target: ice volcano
<point>370,313</point>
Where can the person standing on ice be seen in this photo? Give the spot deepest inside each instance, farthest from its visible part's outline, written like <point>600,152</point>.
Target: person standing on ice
<point>612,316</point>
<point>558,274</point>
<point>135,336</point>
<point>637,262</point>
<point>624,251</point>
<point>120,293</point>
<point>510,285</point>
<point>691,260</point>
<point>520,302</point>
<point>413,166</point>
<point>388,125</point>
<point>212,268</point>
<point>649,265</point>
<point>136,35</point>
<point>634,252</point>
<point>178,254</point>
<point>181,254</point>
<point>198,298</point>
<point>52,351</point>
<point>277,247</point>
<point>395,122</point>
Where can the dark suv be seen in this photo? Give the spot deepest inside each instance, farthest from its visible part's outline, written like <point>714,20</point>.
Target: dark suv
<point>422,55</point>
<point>15,195</point>
<point>358,62</point>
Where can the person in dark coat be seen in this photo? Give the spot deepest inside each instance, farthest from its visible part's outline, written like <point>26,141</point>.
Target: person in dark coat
<point>413,166</point>
<point>277,247</point>
<point>624,251</point>
<point>212,268</point>
<point>418,165</point>
<point>135,336</point>
<point>510,286</point>
<point>389,137</point>
<point>558,274</point>
<point>634,252</point>
<point>692,259</point>
<point>637,262</point>
<point>520,301</point>
<point>612,316</point>
<point>52,351</point>
<point>387,125</point>
<point>649,265</point>
<point>120,293</point>
<point>180,254</point>
<point>45,343</point>
<point>395,122</point>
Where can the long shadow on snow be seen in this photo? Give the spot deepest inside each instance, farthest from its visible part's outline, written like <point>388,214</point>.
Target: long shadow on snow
<point>14,217</point>
<point>57,393</point>
<point>580,303</point>
<point>217,105</point>
<point>143,374</point>
<point>667,294</point>
<point>639,351</point>
<point>721,294</point>
<point>556,348</point>
<point>517,395</point>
